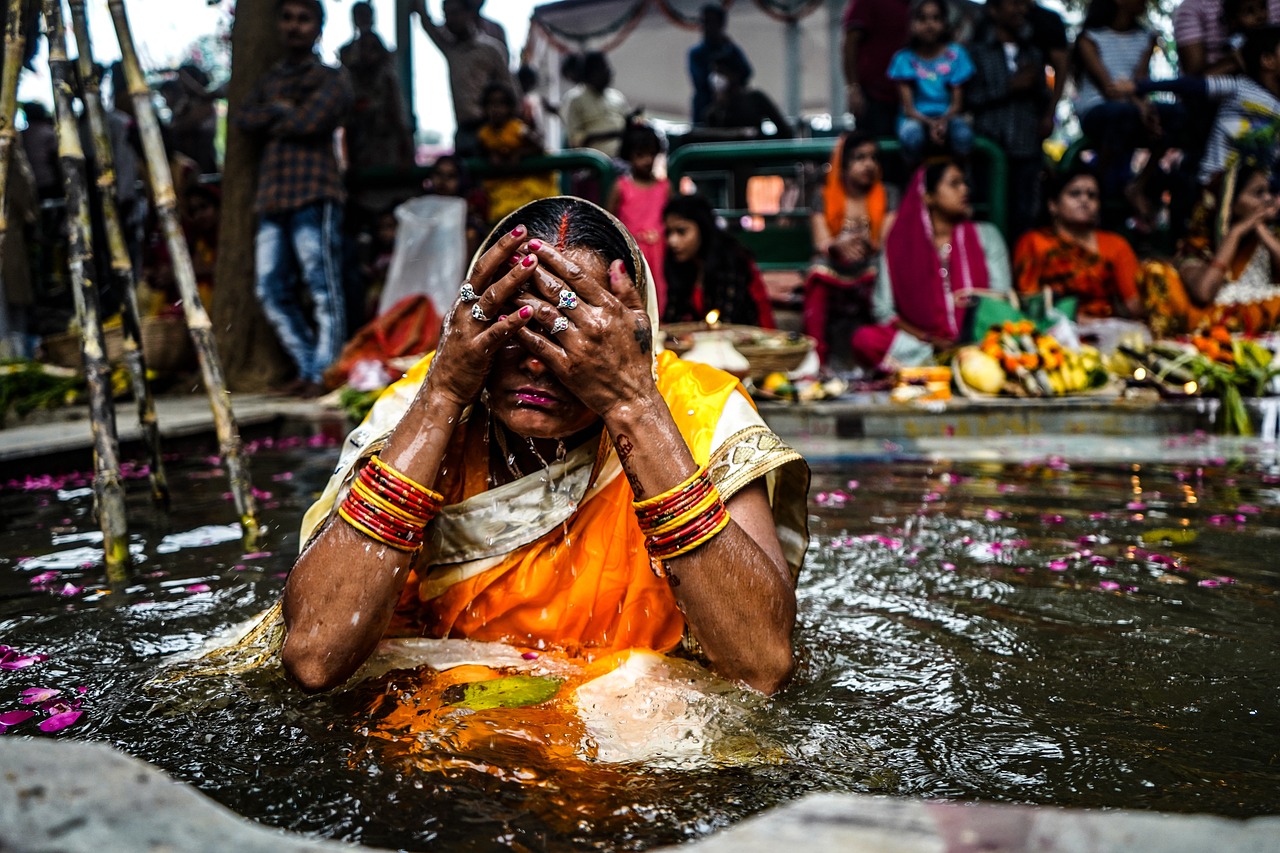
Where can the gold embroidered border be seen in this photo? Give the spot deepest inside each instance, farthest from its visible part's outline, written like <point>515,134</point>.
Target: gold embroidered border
<point>746,455</point>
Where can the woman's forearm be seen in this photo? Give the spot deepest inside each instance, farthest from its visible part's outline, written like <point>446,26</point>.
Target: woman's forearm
<point>735,590</point>
<point>341,593</point>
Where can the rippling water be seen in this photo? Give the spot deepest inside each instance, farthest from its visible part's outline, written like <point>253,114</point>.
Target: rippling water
<point>1051,632</point>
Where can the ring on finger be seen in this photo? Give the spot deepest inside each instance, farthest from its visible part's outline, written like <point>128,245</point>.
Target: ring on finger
<point>559,325</point>
<point>568,300</point>
<point>478,313</point>
<point>468,293</point>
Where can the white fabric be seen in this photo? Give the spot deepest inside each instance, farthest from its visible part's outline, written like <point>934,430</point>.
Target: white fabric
<point>1243,105</point>
<point>1120,54</point>
<point>430,252</point>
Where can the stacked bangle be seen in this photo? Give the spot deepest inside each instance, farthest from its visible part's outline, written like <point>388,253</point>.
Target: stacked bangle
<point>388,507</point>
<point>681,518</point>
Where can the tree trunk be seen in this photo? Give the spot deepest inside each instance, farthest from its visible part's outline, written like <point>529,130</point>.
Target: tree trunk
<point>251,357</point>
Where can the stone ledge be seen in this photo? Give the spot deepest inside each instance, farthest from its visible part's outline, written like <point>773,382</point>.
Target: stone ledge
<point>64,796</point>
<point>856,823</point>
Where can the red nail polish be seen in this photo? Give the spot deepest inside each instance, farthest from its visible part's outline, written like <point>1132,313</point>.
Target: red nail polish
<point>502,317</point>
<point>517,231</point>
<point>526,312</point>
<point>529,260</point>
<point>535,245</point>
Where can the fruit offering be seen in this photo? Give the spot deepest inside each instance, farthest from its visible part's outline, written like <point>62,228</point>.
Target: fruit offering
<point>1012,359</point>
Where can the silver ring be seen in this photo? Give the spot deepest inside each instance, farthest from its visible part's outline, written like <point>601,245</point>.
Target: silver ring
<point>478,313</point>
<point>559,325</point>
<point>468,293</point>
<point>568,300</point>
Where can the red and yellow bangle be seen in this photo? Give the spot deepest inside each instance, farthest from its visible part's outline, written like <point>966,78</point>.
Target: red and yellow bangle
<point>390,508</point>
<point>681,519</point>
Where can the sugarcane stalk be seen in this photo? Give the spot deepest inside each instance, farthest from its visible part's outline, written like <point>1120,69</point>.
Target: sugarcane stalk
<point>108,485</point>
<point>121,264</point>
<point>14,42</point>
<point>198,324</point>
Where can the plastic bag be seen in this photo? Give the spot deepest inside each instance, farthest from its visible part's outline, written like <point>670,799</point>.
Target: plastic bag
<point>430,252</point>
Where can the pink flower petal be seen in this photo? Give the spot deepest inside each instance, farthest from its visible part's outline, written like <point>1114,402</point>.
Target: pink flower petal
<point>22,661</point>
<point>58,722</point>
<point>44,577</point>
<point>530,655</point>
<point>1051,518</point>
<point>1057,565</point>
<point>1108,586</point>
<point>1248,508</point>
<point>932,497</point>
<point>198,587</point>
<point>1208,582</point>
<point>993,515</point>
<point>948,567</point>
<point>1135,505</point>
<point>13,718</point>
<point>257,555</point>
<point>33,695</point>
<point>852,484</point>
<point>70,589</point>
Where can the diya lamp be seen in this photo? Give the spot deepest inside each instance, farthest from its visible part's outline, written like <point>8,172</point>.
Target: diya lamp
<point>714,347</point>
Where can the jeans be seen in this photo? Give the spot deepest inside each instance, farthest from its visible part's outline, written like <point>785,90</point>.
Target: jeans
<point>914,138</point>
<point>304,243</point>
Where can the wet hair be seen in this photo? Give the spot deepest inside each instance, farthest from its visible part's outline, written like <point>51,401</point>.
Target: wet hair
<point>567,222</point>
<point>850,142</point>
<point>639,137</point>
<point>316,7</point>
<point>1259,43</point>
<point>948,32</point>
<point>725,265</point>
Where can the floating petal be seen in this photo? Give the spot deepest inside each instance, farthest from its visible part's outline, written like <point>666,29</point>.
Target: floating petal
<point>58,722</point>
<point>32,695</point>
<point>12,718</point>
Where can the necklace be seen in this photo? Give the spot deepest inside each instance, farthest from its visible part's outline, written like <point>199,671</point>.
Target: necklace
<point>509,458</point>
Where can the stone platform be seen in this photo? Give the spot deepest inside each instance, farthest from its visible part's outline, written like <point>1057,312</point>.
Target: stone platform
<point>64,796</point>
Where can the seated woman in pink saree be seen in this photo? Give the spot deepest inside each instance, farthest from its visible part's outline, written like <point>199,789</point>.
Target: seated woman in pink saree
<point>936,259</point>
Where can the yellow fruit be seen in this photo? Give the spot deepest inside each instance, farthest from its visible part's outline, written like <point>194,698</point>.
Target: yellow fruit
<point>980,371</point>
<point>774,381</point>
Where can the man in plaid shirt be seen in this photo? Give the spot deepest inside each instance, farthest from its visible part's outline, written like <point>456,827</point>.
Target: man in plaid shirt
<point>294,111</point>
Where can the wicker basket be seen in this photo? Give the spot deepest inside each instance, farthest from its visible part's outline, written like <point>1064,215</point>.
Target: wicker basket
<point>165,344</point>
<point>767,351</point>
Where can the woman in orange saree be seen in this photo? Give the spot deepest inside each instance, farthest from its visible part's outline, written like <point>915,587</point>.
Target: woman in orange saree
<point>541,419</point>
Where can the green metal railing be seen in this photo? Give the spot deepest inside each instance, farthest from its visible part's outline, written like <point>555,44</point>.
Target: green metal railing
<point>565,162</point>
<point>785,241</point>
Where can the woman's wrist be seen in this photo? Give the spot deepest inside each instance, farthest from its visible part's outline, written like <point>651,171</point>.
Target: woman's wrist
<point>635,415</point>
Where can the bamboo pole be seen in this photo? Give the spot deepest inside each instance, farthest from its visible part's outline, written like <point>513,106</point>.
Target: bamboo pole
<point>108,486</point>
<point>14,41</point>
<point>197,318</point>
<point>121,264</point>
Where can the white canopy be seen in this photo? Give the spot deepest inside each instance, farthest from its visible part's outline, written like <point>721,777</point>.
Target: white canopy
<point>796,63</point>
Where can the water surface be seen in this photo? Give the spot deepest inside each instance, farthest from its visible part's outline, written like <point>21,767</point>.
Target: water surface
<point>1047,631</point>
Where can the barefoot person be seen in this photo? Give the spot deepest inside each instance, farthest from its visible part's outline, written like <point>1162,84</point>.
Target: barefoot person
<point>544,480</point>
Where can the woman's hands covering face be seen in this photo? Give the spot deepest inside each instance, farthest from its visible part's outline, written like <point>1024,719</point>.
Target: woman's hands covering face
<point>592,329</point>
<point>476,328</point>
